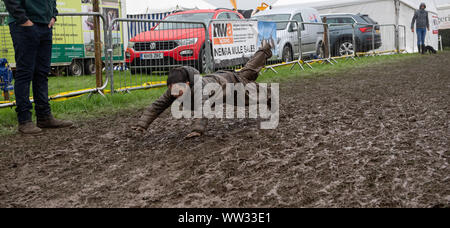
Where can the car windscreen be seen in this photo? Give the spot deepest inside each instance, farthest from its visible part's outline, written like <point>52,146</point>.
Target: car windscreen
<point>276,17</point>
<point>191,17</point>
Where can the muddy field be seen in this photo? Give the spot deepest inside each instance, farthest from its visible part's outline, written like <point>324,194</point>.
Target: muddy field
<point>374,137</point>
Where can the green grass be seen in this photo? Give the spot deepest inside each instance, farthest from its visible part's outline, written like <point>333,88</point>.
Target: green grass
<point>84,108</point>
<point>285,74</point>
<point>61,84</point>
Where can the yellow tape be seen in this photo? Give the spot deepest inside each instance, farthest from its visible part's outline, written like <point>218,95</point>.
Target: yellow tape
<point>69,92</point>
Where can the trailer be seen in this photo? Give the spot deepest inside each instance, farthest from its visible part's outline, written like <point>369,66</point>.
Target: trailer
<point>73,36</point>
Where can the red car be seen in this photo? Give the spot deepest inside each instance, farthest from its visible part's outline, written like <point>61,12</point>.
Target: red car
<point>174,44</point>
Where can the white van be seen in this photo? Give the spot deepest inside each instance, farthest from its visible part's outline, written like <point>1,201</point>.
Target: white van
<point>287,33</point>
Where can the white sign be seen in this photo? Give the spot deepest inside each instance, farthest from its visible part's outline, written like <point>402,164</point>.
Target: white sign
<point>444,20</point>
<point>234,39</point>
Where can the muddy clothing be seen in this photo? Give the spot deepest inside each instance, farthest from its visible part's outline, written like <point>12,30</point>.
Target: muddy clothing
<point>420,19</point>
<point>37,11</point>
<point>247,75</point>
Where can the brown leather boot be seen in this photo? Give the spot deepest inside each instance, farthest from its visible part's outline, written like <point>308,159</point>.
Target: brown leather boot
<point>29,128</point>
<point>52,122</point>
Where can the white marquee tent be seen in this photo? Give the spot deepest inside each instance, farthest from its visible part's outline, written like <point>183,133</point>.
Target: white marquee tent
<point>135,7</point>
<point>443,7</point>
<point>241,4</point>
<point>382,11</point>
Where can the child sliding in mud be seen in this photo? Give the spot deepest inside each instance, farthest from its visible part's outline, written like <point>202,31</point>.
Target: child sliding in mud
<point>181,80</point>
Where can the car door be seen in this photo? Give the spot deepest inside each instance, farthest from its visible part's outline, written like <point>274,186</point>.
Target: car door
<point>293,36</point>
<point>347,29</point>
<point>308,39</point>
<point>334,30</point>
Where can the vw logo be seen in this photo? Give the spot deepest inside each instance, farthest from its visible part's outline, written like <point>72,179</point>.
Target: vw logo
<point>152,46</point>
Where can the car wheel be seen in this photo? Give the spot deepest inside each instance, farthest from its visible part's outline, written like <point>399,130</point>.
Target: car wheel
<point>76,68</point>
<point>89,67</point>
<point>201,64</point>
<point>287,54</point>
<point>345,47</point>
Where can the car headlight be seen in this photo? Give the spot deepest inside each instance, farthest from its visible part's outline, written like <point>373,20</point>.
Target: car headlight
<point>185,42</point>
<point>131,45</point>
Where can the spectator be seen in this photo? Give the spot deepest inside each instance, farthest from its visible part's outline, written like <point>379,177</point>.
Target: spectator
<point>31,27</point>
<point>422,24</point>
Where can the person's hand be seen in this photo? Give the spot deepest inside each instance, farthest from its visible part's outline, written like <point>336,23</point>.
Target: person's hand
<point>52,23</point>
<point>412,30</point>
<point>193,135</point>
<point>27,24</point>
<point>428,29</point>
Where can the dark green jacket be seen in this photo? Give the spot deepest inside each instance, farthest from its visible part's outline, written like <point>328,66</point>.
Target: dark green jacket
<point>38,11</point>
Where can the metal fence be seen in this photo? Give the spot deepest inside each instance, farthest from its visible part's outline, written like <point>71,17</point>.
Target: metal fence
<point>152,54</point>
<point>402,39</point>
<point>387,32</point>
<point>143,60</point>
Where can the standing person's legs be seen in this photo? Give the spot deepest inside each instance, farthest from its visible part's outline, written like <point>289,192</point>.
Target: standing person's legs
<point>421,39</point>
<point>26,44</point>
<point>424,36</point>
<point>40,81</point>
<point>42,69</point>
<point>254,66</point>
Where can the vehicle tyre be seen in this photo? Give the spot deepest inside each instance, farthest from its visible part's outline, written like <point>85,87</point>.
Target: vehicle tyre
<point>345,47</point>
<point>287,54</point>
<point>89,67</point>
<point>320,51</point>
<point>76,68</point>
<point>201,63</point>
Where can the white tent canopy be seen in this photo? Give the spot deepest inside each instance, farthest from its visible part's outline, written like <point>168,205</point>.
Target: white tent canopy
<point>382,11</point>
<point>164,6</point>
<point>241,4</point>
<point>431,5</point>
<point>444,13</point>
<point>440,3</point>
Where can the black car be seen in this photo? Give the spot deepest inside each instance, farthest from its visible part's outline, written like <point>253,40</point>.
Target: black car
<point>341,35</point>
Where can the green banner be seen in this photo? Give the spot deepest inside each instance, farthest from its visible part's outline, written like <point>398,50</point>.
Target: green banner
<point>63,53</point>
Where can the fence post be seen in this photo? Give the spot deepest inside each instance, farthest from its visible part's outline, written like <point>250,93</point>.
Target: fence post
<point>208,51</point>
<point>6,95</point>
<point>404,38</point>
<point>97,41</point>
<point>108,53</point>
<point>355,45</point>
<point>325,39</point>
<point>397,38</point>
<point>300,51</point>
<point>373,39</point>
<point>109,56</point>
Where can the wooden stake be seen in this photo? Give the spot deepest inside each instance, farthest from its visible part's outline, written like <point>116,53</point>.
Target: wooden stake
<point>98,45</point>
